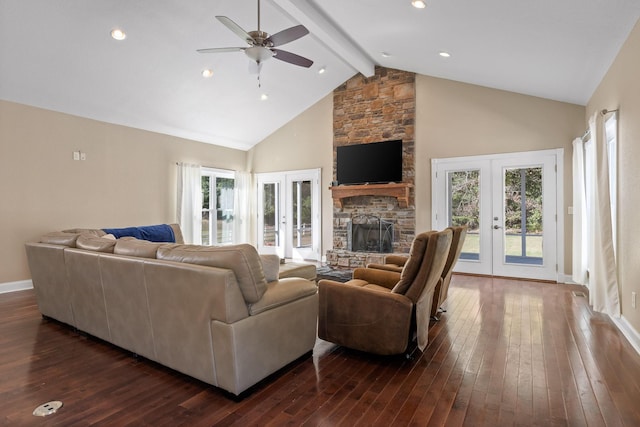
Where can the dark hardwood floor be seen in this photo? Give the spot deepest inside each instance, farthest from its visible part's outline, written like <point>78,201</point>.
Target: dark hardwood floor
<point>506,352</point>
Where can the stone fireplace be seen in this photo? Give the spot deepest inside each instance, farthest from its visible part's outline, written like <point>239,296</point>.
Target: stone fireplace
<point>366,110</point>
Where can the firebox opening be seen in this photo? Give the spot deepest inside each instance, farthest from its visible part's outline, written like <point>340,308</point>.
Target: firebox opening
<point>369,233</point>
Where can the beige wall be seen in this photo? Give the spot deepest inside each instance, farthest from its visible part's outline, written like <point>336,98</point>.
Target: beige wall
<point>620,89</point>
<point>304,143</point>
<point>129,177</point>
<point>452,119</point>
<point>456,119</point>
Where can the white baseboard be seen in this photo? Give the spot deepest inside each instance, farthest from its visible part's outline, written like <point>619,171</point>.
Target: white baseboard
<point>566,279</point>
<point>628,331</point>
<point>15,286</point>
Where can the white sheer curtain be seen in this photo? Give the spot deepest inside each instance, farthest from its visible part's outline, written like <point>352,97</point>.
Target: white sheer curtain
<point>189,204</point>
<point>242,209</point>
<point>601,263</point>
<point>579,264</point>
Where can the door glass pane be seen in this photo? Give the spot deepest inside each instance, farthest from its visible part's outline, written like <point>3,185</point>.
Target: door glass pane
<point>523,216</point>
<point>301,220</point>
<point>270,214</point>
<point>206,180</point>
<point>205,228</point>
<point>464,208</point>
<point>224,210</point>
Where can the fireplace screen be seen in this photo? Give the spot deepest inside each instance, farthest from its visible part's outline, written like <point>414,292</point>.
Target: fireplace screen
<point>368,233</point>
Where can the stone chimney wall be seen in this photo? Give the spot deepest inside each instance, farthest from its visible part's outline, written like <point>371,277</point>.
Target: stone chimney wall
<point>366,110</point>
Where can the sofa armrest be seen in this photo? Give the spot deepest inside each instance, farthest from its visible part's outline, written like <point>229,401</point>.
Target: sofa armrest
<point>281,292</point>
<point>363,318</point>
<point>385,278</point>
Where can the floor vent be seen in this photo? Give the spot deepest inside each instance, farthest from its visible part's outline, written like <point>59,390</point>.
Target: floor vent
<point>579,294</point>
<point>47,408</point>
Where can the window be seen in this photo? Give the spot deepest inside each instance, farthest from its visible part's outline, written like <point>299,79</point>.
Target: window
<point>217,207</point>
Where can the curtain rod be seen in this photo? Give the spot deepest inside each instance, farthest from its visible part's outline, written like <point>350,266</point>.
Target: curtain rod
<point>211,167</point>
<point>602,112</point>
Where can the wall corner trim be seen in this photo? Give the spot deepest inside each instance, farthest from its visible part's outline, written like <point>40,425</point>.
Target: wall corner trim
<point>15,286</point>
<point>628,331</point>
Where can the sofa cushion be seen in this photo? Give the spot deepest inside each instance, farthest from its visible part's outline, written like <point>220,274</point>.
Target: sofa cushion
<point>243,259</point>
<point>270,266</point>
<point>94,243</point>
<point>91,231</point>
<point>282,292</point>
<point>60,238</point>
<point>130,246</point>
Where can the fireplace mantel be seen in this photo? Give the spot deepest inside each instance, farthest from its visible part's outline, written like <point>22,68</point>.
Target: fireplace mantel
<point>399,191</point>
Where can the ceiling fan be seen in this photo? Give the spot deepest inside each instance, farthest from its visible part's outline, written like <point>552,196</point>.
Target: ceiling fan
<point>262,46</point>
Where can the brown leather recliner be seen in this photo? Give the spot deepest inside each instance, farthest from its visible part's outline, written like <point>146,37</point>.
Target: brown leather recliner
<point>442,291</point>
<point>396,263</point>
<point>380,311</point>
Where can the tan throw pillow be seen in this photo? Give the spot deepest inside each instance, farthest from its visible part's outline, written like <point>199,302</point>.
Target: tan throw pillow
<point>136,247</point>
<point>60,238</point>
<point>270,266</point>
<point>93,243</point>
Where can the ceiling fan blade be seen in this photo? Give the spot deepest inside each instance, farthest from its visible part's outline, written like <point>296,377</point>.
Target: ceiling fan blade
<point>292,58</point>
<point>288,35</point>
<point>236,29</point>
<point>221,49</point>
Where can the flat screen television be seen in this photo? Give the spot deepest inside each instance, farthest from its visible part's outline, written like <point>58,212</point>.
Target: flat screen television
<point>376,162</point>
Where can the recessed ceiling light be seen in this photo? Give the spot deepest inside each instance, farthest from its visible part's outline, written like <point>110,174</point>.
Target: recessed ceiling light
<point>264,97</point>
<point>322,70</point>
<point>207,73</point>
<point>418,4</point>
<point>385,54</point>
<point>118,34</point>
<point>445,54</point>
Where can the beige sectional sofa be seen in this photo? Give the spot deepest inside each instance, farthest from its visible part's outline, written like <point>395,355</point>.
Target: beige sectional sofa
<point>208,312</point>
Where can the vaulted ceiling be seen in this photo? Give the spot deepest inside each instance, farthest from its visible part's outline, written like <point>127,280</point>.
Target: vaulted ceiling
<point>59,55</point>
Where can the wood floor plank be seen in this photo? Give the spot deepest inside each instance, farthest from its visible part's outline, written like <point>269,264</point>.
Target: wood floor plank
<point>506,352</point>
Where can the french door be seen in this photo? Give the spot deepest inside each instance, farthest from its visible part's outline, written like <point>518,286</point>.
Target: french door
<point>509,203</point>
<point>289,214</point>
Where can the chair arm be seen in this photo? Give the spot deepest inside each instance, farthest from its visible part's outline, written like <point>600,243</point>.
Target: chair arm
<point>385,278</point>
<point>363,319</point>
<point>388,267</point>
<point>399,260</point>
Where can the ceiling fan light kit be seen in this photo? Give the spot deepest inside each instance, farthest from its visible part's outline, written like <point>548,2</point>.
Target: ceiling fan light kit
<point>262,46</point>
<point>258,53</point>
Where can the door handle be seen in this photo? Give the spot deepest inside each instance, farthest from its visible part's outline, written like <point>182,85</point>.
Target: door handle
<point>495,227</point>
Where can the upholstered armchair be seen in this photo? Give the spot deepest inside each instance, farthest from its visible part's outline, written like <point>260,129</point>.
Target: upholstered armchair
<point>381,311</point>
<point>396,263</point>
<point>442,290</point>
